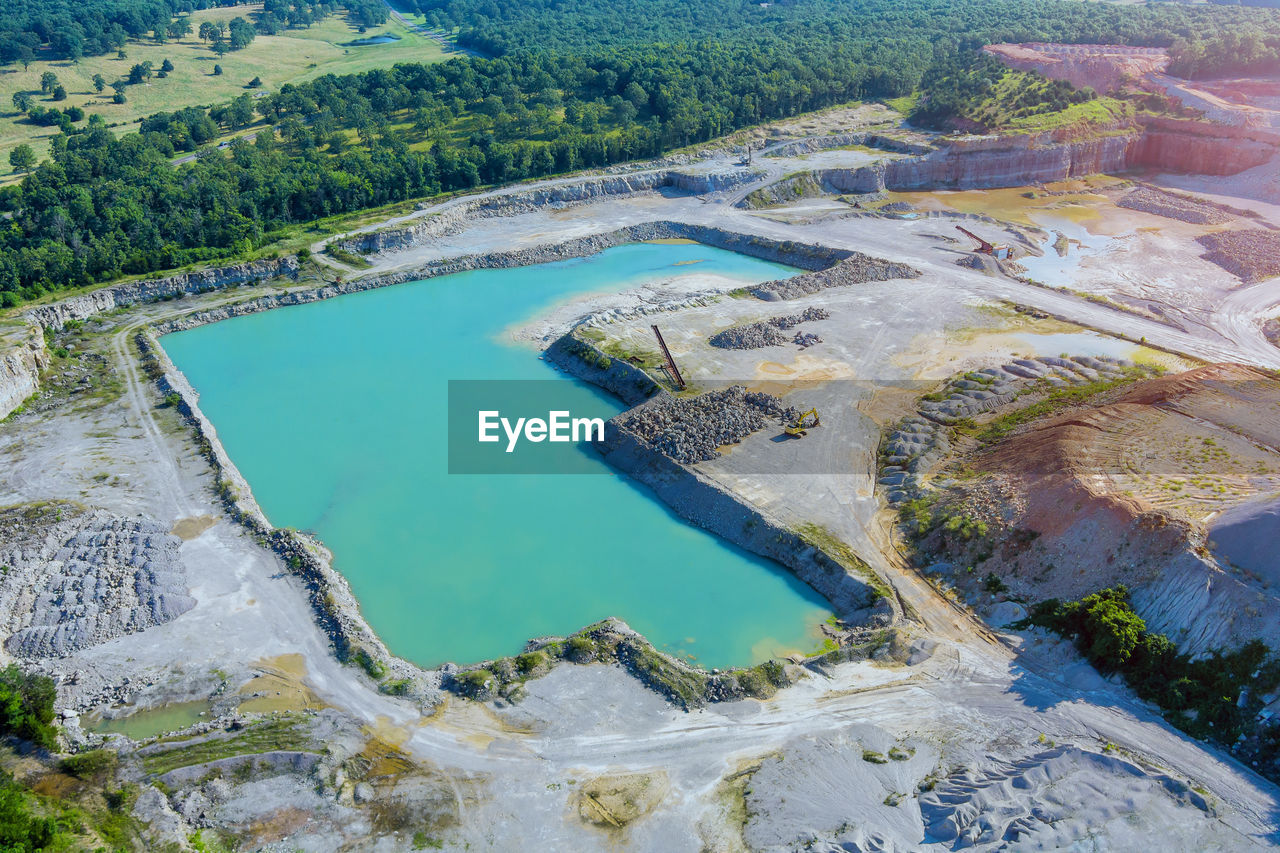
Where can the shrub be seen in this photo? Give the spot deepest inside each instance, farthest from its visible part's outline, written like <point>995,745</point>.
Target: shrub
<point>581,650</point>
<point>474,682</point>
<point>26,706</point>
<point>89,765</point>
<point>530,661</point>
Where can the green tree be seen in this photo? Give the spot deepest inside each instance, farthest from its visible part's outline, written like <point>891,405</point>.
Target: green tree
<point>48,80</point>
<point>22,158</point>
<point>217,71</point>
<point>99,82</point>
<point>21,101</point>
<point>166,66</point>
<point>59,93</point>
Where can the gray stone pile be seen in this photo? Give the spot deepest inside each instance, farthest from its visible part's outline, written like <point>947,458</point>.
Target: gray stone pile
<point>72,579</point>
<point>753,336</point>
<point>767,333</point>
<point>689,429</point>
<point>1173,206</point>
<point>1251,254</point>
<point>914,446</point>
<point>790,321</point>
<point>855,269</point>
<point>804,340</point>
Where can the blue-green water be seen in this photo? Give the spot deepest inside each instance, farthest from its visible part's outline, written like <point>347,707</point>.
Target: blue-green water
<point>335,414</point>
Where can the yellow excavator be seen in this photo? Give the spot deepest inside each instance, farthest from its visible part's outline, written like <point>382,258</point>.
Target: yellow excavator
<point>801,427</point>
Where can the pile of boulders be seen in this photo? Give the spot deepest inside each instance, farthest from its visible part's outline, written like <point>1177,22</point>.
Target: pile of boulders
<point>1172,206</point>
<point>855,269</point>
<point>689,429</point>
<point>1253,255</point>
<point>753,336</point>
<point>767,334</point>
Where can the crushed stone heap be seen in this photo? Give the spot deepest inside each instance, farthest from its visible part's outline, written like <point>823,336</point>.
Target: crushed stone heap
<point>689,429</point>
<point>1252,255</point>
<point>72,578</point>
<point>768,333</point>
<point>1174,206</point>
<point>855,269</point>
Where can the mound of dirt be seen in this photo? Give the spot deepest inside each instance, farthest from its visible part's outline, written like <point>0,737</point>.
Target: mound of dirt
<point>1119,491</point>
<point>1104,67</point>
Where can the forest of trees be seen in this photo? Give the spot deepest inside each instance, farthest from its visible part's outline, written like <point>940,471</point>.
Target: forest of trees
<point>1249,50</point>
<point>70,29</point>
<point>574,85</point>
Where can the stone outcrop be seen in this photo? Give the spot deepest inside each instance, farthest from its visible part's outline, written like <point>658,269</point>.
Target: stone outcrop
<point>989,162</point>
<point>150,290</point>
<point>709,506</point>
<point>20,370</point>
<point>453,218</point>
<point>1103,67</point>
<point>1202,148</point>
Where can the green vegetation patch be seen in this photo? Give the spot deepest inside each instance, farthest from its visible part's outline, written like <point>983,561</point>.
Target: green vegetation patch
<point>282,734</point>
<point>1203,697</point>
<point>817,536</point>
<point>1054,401</point>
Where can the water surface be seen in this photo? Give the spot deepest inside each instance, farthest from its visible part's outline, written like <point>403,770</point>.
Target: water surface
<point>335,414</point>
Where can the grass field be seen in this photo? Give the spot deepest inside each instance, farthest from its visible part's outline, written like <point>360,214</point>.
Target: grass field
<point>289,57</point>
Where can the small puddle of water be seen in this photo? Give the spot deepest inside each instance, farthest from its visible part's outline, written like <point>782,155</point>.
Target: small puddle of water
<point>1078,343</point>
<point>386,38</point>
<point>151,722</point>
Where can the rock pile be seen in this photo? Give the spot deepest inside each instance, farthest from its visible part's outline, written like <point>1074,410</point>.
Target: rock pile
<point>1253,255</point>
<point>1173,206</point>
<point>753,336</point>
<point>804,340</point>
<point>918,443</point>
<point>790,321</point>
<point>767,334</point>
<point>689,429</point>
<point>70,579</point>
<point>855,269</point>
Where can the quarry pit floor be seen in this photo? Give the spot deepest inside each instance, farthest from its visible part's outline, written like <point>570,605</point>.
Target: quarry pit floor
<point>1001,706</point>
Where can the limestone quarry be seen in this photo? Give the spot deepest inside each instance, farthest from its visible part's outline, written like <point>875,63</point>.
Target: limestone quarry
<point>1101,408</point>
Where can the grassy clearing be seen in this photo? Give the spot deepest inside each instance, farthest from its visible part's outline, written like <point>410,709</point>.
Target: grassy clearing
<point>285,733</point>
<point>291,56</point>
<point>1012,106</point>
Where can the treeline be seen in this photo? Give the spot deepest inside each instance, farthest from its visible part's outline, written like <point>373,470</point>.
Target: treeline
<point>502,26</point>
<point>106,206</point>
<point>1251,51</point>
<point>70,29</point>
<point>608,85</point>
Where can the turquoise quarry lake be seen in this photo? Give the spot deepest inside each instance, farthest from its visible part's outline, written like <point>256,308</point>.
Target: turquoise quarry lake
<point>335,414</point>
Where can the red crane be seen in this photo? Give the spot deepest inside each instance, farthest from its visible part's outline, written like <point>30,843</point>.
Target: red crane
<point>985,248</point>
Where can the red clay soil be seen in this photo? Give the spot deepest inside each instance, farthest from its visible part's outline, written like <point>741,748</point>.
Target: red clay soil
<point>1104,67</point>
<point>1061,528</point>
